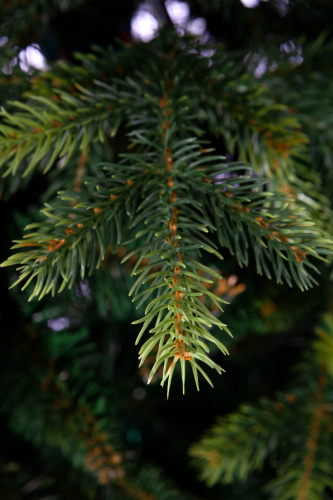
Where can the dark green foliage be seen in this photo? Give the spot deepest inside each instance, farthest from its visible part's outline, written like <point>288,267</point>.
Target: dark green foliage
<point>240,443</point>
<point>156,185</point>
<point>194,175</point>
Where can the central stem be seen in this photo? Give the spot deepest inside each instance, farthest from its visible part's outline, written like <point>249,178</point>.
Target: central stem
<point>172,240</point>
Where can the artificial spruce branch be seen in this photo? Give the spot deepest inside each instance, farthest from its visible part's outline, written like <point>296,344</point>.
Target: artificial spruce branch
<point>170,188</point>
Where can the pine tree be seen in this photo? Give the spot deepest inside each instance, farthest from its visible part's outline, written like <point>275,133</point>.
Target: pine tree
<point>168,171</point>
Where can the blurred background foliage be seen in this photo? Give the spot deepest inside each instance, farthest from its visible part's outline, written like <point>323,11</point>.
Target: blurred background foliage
<point>78,420</point>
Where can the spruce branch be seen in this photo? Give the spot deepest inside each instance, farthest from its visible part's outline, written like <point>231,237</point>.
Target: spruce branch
<point>300,419</point>
<point>172,189</point>
<point>73,239</point>
<point>44,126</point>
<point>71,425</point>
<point>277,128</point>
